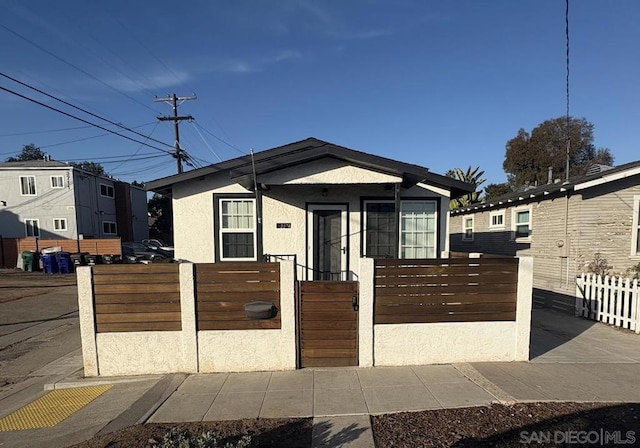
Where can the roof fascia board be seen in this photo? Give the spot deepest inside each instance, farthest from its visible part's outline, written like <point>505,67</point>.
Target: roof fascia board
<point>608,178</point>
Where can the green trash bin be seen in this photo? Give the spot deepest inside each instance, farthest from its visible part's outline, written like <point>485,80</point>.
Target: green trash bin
<point>29,261</point>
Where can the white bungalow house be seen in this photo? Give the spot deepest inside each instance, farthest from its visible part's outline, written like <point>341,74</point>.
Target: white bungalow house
<point>323,204</point>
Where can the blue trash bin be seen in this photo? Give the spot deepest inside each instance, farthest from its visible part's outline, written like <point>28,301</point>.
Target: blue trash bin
<point>65,266</point>
<point>49,264</point>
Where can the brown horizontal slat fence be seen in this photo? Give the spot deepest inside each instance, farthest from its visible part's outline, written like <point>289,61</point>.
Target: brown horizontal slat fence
<point>137,297</point>
<point>223,289</point>
<point>445,290</point>
<point>11,247</point>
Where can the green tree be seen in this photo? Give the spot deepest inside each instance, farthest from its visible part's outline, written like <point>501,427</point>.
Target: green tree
<point>135,183</point>
<point>161,211</point>
<point>494,190</point>
<point>29,152</point>
<point>471,176</point>
<point>528,156</point>
<point>91,167</point>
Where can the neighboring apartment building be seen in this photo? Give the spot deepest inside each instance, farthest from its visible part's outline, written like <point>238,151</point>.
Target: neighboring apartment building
<point>562,225</point>
<point>53,200</point>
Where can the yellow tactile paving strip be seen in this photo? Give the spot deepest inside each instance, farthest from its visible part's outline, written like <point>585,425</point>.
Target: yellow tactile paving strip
<point>51,408</point>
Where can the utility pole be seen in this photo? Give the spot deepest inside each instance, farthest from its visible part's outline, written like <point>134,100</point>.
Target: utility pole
<point>173,100</point>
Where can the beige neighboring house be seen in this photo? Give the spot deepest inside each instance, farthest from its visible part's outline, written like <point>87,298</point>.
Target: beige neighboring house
<point>562,226</point>
<point>323,204</point>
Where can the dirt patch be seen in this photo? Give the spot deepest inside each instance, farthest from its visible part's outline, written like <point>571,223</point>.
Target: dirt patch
<point>546,424</point>
<point>497,425</point>
<point>281,433</point>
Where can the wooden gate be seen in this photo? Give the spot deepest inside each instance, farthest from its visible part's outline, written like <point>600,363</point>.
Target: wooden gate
<point>328,324</point>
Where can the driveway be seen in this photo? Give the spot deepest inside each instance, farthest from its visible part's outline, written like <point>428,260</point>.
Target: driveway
<point>562,338</point>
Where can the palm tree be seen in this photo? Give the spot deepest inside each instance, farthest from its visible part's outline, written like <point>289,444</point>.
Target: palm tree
<point>471,176</point>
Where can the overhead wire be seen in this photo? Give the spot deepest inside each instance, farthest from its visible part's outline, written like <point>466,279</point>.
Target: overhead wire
<point>139,147</point>
<point>80,119</point>
<point>244,153</point>
<point>89,138</point>
<point>121,126</point>
<point>17,134</point>
<point>206,143</point>
<point>70,64</point>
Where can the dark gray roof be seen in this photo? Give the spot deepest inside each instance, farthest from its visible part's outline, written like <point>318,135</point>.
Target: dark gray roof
<point>34,164</point>
<point>547,189</point>
<point>240,169</point>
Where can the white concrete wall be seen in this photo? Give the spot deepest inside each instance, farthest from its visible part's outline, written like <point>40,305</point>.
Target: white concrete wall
<point>252,350</point>
<point>441,343</point>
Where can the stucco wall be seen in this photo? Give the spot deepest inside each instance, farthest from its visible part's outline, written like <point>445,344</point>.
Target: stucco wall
<point>194,214</point>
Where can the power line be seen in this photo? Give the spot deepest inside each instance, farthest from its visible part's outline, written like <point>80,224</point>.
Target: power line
<point>121,126</point>
<point>205,142</point>
<point>244,153</point>
<point>87,138</point>
<point>64,61</point>
<point>139,148</point>
<point>81,119</point>
<point>17,134</point>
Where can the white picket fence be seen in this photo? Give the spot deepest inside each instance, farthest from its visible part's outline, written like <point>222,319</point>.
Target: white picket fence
<point>612,300</point>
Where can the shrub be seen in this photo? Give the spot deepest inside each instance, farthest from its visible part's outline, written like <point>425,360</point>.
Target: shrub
<point>177,438</point>
<point>599,265</point>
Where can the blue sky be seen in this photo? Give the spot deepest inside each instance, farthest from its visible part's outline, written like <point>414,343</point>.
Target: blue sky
<point>441,84</point>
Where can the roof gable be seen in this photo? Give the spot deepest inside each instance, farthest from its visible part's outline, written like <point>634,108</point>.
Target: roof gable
<point>240,170</point>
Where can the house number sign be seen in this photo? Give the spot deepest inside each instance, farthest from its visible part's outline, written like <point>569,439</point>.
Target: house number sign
<point>283,225</point>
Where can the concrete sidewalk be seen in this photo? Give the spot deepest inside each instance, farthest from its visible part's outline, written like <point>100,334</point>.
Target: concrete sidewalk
<point>320,393</point>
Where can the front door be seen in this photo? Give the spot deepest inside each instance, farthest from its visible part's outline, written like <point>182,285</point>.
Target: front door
<point>327,248</point>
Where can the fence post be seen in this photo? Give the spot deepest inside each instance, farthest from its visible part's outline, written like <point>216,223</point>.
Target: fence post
<point>523,308</point>
<point>87,318</point>
<point>365,313</point>
<point>636,305</point>
<point>579,289</point>
<point>188,317</point>
<point>288,320</point>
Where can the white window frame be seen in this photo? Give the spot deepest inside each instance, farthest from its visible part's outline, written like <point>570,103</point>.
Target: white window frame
<point>57,178</point>
<point>63,221</point>
<point>35,188</point>
<point>113,191</point>
<point>115,226</point>
<point>635,229</point>
<point>37,226</point>
<point>465,228</point>
<point>222,231</point>
<point>514,223</point>
<point>436,218</point>
<point>495,214</point>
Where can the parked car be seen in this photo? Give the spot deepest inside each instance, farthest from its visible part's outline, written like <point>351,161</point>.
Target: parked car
<point>159,246</point>
<point>139,253</point>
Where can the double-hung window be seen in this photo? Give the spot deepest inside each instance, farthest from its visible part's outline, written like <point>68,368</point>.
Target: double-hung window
<point>109,228</point>
<point>496,220</point>
<point>107,191</point>
<point>32,227</point>
<point>28,185</point>
<point>467,228</point>
<point>57,182</point>
<point>522,223</point>
<point>60,224</point>
<point>417,232</point>
<point>237,229</point>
